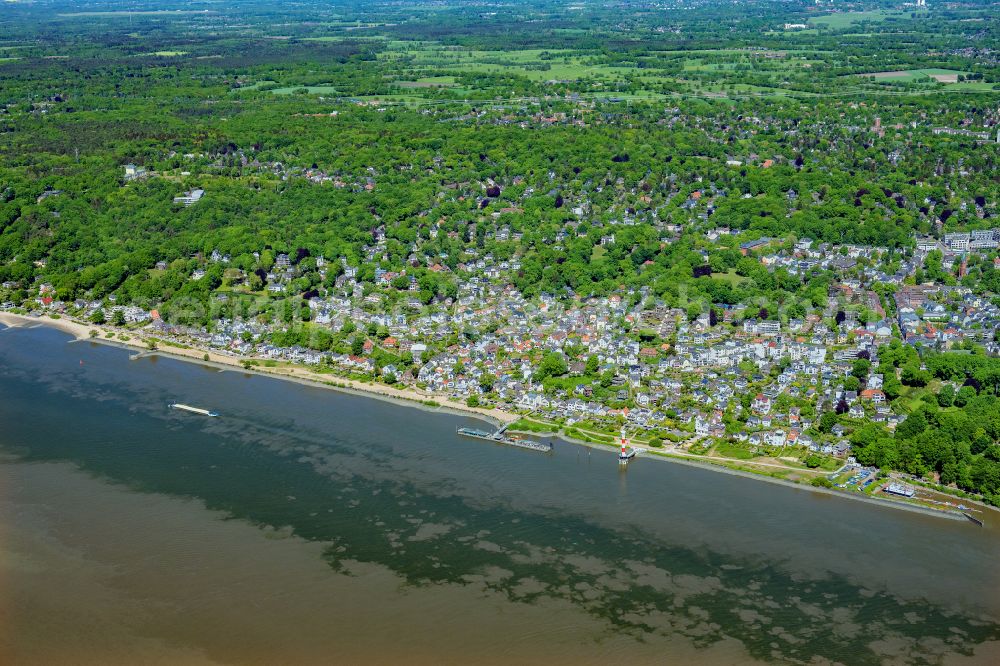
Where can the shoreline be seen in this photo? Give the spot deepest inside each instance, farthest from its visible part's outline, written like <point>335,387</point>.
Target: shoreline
<point>225,362</point>
<point>723,469</point>
<point>410,398</point>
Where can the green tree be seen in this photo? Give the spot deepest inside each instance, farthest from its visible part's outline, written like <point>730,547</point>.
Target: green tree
<point>964,395</point>
<point>912,375</point>
<point>914,424</point>
<point>827,421</point>
<point>358,345</point>
<point>487,382</point>
<point>553,365</point>
<point>946,396</point>
<point>892,387</point>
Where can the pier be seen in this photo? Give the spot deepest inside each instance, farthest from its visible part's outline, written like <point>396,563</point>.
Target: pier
<point>499,438</point>
<point>973,519</point>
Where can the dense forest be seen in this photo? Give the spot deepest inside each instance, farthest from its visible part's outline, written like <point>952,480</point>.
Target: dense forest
<point>953,433</point>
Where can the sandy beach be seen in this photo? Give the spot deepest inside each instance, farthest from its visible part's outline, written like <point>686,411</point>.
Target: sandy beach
<point>138,342</point>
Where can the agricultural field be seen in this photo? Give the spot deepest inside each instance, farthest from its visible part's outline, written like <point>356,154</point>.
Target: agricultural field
<point>843,20</point>
<point>939,75</point>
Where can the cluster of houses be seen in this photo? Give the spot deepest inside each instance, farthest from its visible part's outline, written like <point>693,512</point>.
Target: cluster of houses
<point>692,386</point>
<point>941,315</point>
<point>487,341</point>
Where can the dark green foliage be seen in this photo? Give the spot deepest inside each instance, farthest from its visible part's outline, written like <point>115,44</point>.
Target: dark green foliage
<point>957,444</point>
<point>914,424</point>
<point>553,364</point>
<point>913,376</point>
<point>946,396</point>
<point>827,421</point>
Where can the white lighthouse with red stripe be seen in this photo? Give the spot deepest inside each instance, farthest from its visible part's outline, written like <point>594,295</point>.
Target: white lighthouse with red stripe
<point>627,453</point>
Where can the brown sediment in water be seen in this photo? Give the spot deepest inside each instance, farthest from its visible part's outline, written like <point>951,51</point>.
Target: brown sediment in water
<point>92,573</point>
<point>411,398</point>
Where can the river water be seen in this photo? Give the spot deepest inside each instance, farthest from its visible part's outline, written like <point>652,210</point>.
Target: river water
<point>311,526</point>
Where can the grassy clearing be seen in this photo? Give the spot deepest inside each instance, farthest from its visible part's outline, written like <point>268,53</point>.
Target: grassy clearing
<point>598,434</point>
<point>639,95</point>
<point>731,277</point>
<point>584,436</point>
<point>401,98</point>
<point>913,75</point>
<point>843,20</point>
<point>572,71</point>
<point>830,465</point>
<point>973,86</point>
<point>727,450</point>
<point>527,425</point>
<point>259,84</point>
<point>534,64</point>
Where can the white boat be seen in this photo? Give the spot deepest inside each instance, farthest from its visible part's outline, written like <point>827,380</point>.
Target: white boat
<point>193,410</point>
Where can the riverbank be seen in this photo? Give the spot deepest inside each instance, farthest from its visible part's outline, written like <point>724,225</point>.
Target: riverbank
<point>686,459</point>
<point>412,398</point>
<point>888,503</point>
<point>408,397</point>
<point>655,556</point>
